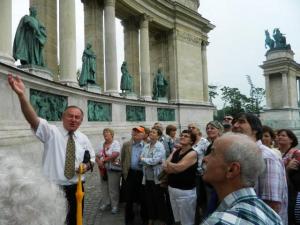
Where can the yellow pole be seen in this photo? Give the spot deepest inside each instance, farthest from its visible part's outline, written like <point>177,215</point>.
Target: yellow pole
<point>79,196</point>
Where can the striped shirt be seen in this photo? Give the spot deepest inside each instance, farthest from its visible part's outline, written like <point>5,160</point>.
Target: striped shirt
<point>271,185</point>
<point>243,207</point>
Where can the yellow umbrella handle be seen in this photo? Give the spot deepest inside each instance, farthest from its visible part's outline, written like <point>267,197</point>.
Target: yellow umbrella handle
<point>79,196</point>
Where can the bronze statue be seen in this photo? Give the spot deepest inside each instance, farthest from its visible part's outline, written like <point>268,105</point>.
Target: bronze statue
<point>269,41</point>
<point>88,71</point>
<point>160,85</point>
<point>280,40</point>
<point>126,79</point>
<point>29,40</point>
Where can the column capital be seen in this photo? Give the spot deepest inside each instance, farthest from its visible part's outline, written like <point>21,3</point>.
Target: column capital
<point>144,20</point>
<point>204,43</point>
<point>131,22</point>
<point>110,3</point>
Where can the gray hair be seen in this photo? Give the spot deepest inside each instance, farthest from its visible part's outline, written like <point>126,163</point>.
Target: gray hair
<point>26,196</point>
<point>245,151</point>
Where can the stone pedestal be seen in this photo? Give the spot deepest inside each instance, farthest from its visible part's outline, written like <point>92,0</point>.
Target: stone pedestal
<point>38,71</point>
<point>162,99</point>
<point>129,95</point>
<point>92,88</point>
<point>281,73</point>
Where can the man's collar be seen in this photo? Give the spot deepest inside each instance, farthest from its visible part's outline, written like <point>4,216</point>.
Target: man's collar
<point>66,133</point>
<point>235,197</point>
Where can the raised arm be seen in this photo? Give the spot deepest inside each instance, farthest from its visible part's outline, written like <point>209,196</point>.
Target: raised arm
<point>19,88</point>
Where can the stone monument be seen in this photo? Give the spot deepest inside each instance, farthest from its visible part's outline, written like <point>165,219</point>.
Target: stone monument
<point>160,87</point>
<point>87,78</point>
<point>282,75</point>
<point>29,43</point>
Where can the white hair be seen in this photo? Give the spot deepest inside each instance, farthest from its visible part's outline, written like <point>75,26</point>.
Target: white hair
<point>26,196</point>
<point>245,151</point>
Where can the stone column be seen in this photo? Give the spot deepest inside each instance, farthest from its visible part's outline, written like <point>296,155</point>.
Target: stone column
<point>204,71</point>
<point>93,33</point>
<point>267,88</point>
<point>5,27</point>
<point>145,58</point>
<point>111,75</point>
<point>131,51</point>
<point>285,97</point>
<point>67,42</point>
<point>47,14</point>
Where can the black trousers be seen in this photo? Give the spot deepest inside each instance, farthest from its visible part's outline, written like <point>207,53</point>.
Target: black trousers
<point>135,193</point>
<point>156,202</point>
<point>70,191</point>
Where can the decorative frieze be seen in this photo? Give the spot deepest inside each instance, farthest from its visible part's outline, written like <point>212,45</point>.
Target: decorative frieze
<point>188,38</point>
<point>164,114</point>
<point>99,111</point>
<point>135,113</point>
<point>48,106</point>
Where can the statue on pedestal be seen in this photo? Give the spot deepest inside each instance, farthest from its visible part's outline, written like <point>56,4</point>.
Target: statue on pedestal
<point>126,79</point>
<point>160,85</point>
<point>88,71</point>
<point>280,40</point>
<point>29,40</point>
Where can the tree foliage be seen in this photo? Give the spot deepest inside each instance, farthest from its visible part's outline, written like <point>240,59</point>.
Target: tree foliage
<point>212,92</point>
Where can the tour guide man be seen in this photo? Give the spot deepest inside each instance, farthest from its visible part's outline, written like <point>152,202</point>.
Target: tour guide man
<point>64,147</point>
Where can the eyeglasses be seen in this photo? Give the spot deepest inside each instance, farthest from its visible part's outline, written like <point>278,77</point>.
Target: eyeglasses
<point>227,118</point>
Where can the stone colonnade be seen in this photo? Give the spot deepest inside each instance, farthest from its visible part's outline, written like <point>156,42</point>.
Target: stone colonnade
<point>281,72</point>
<point>103,39</point>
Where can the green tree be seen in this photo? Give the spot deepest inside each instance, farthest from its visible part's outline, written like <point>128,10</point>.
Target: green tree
<point>212,92</point>
<point>236,101</point>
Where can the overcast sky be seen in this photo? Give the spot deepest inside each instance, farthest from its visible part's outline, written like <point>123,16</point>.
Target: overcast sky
<point>236,44</point>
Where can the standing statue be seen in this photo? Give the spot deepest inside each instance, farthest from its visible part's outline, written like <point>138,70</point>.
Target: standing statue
<point>269,41</point>
<point>29,40</point>
<point>126,79</point>
<point>88,71</point>
<point>160,85</point>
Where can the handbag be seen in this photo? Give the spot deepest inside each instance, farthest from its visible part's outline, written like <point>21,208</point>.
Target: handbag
<point>113,165</point>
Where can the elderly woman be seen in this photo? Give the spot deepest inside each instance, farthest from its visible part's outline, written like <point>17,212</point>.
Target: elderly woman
<point>152,157</point>
<point>108,161</point>
<point>287,141</point>
<point>181,167</point>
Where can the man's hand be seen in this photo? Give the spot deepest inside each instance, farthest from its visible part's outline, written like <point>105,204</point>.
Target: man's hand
<point>16,84</point>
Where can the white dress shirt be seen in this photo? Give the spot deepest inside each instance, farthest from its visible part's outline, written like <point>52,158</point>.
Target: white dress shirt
<point>55,143</point>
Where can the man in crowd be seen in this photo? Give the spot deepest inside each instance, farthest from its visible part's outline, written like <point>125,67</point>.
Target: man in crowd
<point>133,175</point>
<point>227,123</point>
<point>232,168</point>
<point>64,147</point>
<point>271,185</point>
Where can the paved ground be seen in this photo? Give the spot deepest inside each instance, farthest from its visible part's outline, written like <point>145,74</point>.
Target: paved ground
<point>92,213</point>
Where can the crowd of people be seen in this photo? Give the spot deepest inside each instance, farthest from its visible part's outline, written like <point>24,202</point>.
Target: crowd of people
<point>240,173</point>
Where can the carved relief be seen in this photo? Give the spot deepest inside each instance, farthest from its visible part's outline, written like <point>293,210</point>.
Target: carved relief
<point>99,111</point>
<point>48,106</point>
<point>164,114</point>
<point>188,38</point>
<point>192,4</point>
<point>135,113</point>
